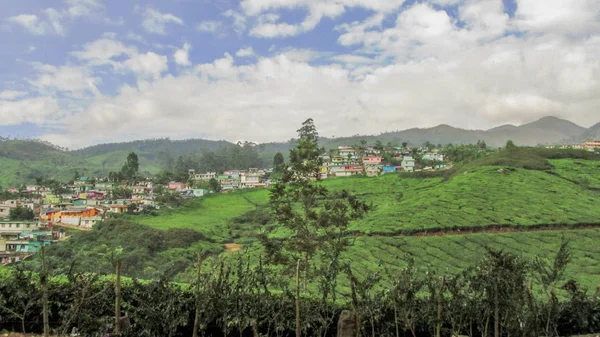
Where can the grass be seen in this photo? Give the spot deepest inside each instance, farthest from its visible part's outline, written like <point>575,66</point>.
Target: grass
<point>210,215</point>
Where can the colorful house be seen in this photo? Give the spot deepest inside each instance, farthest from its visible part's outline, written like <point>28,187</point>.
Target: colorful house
<point>176,186</point>
<point>372,160</point>
<point>389,169</point>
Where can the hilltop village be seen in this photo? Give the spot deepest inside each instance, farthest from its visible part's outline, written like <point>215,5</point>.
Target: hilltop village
<point>36,215</point>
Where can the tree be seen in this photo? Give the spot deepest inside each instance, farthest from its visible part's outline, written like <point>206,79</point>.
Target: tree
<point>21,213</point>
<point>317,218</point>
<point>481,145</point>
<point>214,185</point>
<point>131,167</point>
<point>278,162</point>
<point>404,145</point>
<point>510,145</point>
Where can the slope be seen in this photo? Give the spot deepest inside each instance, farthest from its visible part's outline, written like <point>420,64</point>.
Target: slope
<point>22,161</point>
<point>477,195</point>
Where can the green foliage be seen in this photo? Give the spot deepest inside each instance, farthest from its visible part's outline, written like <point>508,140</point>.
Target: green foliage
<point>213,185</point>
<point>243,298</point>
<point>145,252</point>
<point>21,213</point>
<point>318,219</point>
<point>131,167</point>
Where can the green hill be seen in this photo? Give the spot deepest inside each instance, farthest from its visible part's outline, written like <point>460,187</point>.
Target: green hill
<point>22,161</point>
<point>522,200</point>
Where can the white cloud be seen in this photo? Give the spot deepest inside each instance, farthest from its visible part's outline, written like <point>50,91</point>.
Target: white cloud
<point>33,110</point>
<point>558,16</point>
<point>317,10</point>
<point>66,79</point>
<point>148,64</point>
<point>11,94</point>
<point>55,19</point>
<point>275,30</point>
<point>155,22</point>
<point>82,7</point>
<point>110,52</point>
<point>415,67</point>
<point>52,21</point>
<point>245,52</point>
<point>32,23</point>
<point>210,26</point>
<point>353,59</point>
<point>181,55</point>
<point>239,20</point>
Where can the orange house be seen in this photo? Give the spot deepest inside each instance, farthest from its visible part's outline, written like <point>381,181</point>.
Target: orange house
<point>57,215</point>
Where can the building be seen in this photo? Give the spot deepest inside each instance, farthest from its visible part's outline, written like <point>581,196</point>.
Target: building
<point>592,144</point>
<point>433,156</point>
<point>347,152</point>
<point>389,169</point>
<point>205,176</point>
<point>177,186</point>
<point>372,160</point>
<point>347,171</point>
<point>6,206</point>
<point>408,163</point>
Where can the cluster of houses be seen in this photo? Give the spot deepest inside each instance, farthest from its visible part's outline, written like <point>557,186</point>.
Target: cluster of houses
<point>235,179</point>
<point>87,200</point>
<point>349,161</point>
<point>81,206</point>
<point>589,145</point>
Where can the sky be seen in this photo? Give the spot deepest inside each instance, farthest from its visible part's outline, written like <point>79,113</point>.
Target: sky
<point>83,72</point>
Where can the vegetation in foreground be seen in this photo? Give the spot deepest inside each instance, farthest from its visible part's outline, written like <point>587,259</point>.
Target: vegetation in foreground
<point>501,295</point>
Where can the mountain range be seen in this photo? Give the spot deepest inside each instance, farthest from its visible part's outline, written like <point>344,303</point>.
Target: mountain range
<point>21,161</point>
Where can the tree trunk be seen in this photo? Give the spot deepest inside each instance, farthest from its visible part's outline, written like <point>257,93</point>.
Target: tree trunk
<point>298,327</point>
<point>117,329</point>
<point>254,328</point>
<point>496,314</point>
<point>44,281</point>
<point>440,308</point>
<point>197,314</point>
<point>396,318</point>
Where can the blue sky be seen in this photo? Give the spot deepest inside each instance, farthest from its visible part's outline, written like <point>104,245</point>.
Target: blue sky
<point>80,72</point>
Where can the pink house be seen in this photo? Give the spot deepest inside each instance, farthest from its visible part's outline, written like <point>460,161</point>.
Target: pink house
<point>372,160</point>
<point>176,186</point>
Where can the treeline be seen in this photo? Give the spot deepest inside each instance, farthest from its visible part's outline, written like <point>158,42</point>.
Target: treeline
<point>502,295</point>
<point>154,146</point>
<point>235,157</point>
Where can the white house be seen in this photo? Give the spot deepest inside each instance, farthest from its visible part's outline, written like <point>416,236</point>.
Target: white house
<point>408,163</point>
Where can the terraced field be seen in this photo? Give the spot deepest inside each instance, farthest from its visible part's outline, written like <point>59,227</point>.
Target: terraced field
<point>455,252</point>
<point>410,217</point>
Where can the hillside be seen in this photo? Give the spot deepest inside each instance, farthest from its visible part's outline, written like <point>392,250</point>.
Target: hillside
<point>444,223</point>
<point>22,161</point>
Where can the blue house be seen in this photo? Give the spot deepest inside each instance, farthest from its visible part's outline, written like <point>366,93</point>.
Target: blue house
<point>389,169</point>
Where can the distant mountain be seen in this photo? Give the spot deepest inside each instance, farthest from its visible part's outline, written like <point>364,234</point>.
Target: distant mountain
<point>547,130</point>
<point>21,161</point>
<point>592,133</point>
